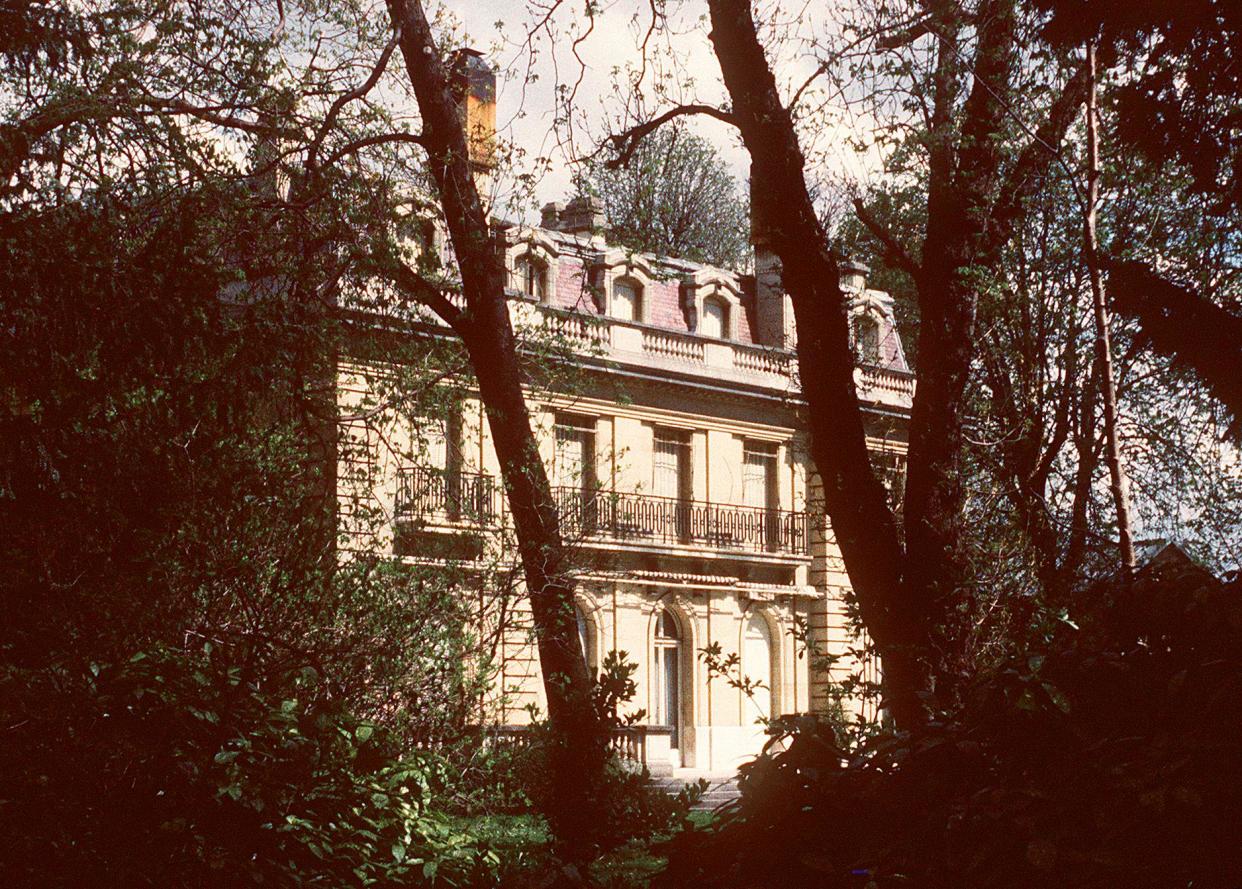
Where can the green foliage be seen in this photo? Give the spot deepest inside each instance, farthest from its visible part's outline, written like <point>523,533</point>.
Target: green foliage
<point>1105,757</point>
<point>163,490</point>
<point>180,768</point>
<point>675,197</point>
<point>634,808</point>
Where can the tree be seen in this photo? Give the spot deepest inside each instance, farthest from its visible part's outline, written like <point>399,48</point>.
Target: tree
<point>912,592</point>
<point>674,196</point>
<point>486,330</point>
<point>321,175</point>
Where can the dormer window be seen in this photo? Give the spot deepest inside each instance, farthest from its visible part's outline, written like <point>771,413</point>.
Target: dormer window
<point>867,339</point>
<point>627,301</point>
<point>531,277</point>
<point>715,321</point>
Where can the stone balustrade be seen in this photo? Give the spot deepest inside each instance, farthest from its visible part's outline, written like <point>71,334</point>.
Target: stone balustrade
<point>643,345</point>
<point>644,745</point>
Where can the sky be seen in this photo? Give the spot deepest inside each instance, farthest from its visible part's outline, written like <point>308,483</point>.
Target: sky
<point>525,112</point>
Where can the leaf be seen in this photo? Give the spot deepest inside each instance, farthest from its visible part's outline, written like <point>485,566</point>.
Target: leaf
<point>429,869</point>
<point>364,732</point>
<point>398,851</point>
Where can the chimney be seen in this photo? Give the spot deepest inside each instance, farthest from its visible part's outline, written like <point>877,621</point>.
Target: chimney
<point>853,275</point>
<point>584,215</point>
<point>551,214</point>
<point>474,85</point>
<point>773,307</point>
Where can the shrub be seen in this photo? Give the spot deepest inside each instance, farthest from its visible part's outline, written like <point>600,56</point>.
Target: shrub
<point>1110,757</point>
<point>176,769</point>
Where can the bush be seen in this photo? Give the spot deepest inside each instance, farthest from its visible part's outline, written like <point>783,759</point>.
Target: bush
<point>1109,758</point>
<point>635,809</point>
<point>175,769</point>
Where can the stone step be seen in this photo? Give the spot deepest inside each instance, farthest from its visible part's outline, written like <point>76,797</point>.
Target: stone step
<point>720,789</point>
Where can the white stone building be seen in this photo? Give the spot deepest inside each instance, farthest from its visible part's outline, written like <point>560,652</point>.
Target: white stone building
<point>680,473</point>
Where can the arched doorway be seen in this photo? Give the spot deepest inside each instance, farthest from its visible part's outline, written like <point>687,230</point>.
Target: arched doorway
<point>666,675</point>
<point>757,666</point>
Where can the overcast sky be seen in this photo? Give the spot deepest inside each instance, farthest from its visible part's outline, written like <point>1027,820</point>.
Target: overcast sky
<point>526,109</point>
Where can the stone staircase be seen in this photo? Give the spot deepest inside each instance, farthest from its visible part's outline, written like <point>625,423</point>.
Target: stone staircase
<point>721,787</point>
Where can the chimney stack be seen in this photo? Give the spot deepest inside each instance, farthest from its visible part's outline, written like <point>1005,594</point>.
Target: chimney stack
<point>853,275</point>
<point>584,215</point>
<point>474,84</point>
<point>550,216</point>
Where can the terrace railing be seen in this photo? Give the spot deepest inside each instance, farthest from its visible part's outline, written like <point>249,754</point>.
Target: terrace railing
<point>670,520</point>
<point>428,493</point>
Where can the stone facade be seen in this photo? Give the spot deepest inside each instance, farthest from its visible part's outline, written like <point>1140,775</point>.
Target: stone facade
<point>680,472</point>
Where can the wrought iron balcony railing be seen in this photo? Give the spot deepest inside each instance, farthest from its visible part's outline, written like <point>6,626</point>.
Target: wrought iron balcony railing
<point>447,495</point>
<point>453,497</point>
<point>645,518</point>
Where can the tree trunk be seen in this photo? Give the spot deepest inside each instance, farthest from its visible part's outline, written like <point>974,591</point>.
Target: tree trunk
<point>854,499</point>
<point>1119,483</point>
<point>579,746</point>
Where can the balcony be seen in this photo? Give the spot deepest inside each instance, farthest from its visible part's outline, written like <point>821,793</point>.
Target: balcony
<point>447,497</point>
<point>456,499</point>
<point>642,518</point>
<point>629,342</point>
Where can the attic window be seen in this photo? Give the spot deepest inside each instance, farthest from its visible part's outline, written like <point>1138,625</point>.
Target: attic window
<point>626,301</point>
<point>715,319</point>
<point>531,277</point>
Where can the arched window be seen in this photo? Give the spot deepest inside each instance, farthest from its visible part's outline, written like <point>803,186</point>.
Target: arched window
<point>867,339</point>
<point>715,319</point>
<point>627,301</point>
<point>666,675</point>
<point>757,663</point>
<point>531,277</point>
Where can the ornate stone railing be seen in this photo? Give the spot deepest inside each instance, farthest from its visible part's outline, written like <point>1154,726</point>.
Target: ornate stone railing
<point>578,329</point>
<point>646,745</point>
<point>643,518</point>
<point>674,345</point>
<point>872,380</point>
<point>630,341</point>
<point>757,359</point>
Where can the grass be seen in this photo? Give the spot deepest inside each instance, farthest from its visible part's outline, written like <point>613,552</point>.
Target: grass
<point>522,842</point>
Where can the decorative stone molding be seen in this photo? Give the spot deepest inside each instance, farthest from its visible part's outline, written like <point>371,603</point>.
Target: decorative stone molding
<point>707,283</point>
<point>615,265</point>
<point>535,245</point>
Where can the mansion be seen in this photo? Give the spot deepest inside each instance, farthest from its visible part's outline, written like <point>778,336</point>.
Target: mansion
<point>680,472</point>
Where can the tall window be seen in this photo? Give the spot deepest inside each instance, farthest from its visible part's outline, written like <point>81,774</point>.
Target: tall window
<point>574,471</point>
<point>759,474</point>
<point>667,675</point>
<point>584,638</point>
<point>867,339</point>
<point>671,477</point>
<point>715,319</point>
<point>627,301</point>
<point>759,488</point>
<point>757,663</point>
<point>439,481</point>
<point>532,277</point>
<point>575,452</point>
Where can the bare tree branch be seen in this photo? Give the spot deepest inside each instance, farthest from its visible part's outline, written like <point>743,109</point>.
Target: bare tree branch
<point>312,152</point>
<point>625,143</point>
<point>381,139</point>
